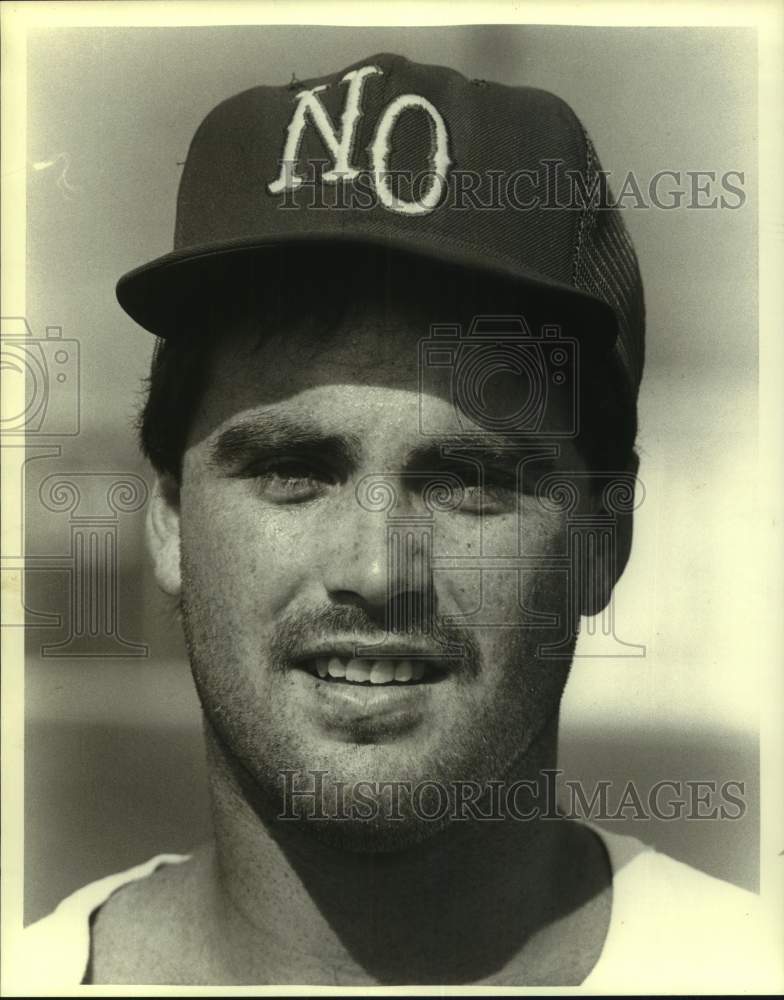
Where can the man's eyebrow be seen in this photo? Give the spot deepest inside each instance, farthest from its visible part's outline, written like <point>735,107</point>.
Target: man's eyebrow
<point>267,432</point>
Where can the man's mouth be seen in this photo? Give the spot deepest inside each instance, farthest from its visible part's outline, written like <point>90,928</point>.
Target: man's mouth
<point>380,672</point>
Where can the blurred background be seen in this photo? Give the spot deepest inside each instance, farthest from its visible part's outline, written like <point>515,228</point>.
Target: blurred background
<point>114,769</point>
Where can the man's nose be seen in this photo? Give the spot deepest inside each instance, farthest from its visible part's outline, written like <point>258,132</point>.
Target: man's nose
<point>385,565</point>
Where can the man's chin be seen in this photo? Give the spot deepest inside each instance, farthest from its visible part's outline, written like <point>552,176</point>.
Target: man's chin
<point>331,799</point>
<point>360,814</point>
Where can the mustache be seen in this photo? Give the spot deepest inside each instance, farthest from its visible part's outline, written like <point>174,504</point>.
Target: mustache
<point>296,634</point>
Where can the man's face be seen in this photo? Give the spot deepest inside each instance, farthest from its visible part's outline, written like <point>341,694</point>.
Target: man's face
<point>311,526</point>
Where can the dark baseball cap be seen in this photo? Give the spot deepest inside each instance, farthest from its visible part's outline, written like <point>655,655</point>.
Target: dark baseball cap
<point>408,158</point>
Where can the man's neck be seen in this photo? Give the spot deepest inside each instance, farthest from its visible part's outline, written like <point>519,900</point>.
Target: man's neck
<point>493,901</point>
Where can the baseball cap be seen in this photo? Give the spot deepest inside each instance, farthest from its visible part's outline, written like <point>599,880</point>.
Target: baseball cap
<point>410,158</point>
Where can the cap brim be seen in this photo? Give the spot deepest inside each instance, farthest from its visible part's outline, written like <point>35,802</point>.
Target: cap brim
<point>162,294</point>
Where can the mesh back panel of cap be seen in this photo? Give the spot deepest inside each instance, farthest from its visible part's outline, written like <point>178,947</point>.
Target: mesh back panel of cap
<point>605,266</point>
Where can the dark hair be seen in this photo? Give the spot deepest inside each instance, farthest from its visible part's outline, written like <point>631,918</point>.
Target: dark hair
<point>318,290</point>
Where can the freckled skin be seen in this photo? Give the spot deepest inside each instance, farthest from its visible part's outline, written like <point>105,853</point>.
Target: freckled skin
<point>247,563</point>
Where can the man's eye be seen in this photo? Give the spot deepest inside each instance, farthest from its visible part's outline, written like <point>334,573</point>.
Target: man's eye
<point>475,491</point>
<point>496,492</point>
<point>492,498</point>
<point>291,481</point>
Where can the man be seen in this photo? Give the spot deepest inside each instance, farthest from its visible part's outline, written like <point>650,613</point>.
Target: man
<point>392,403</point>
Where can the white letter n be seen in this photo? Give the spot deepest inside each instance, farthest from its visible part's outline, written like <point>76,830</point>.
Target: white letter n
<point>339,147</point>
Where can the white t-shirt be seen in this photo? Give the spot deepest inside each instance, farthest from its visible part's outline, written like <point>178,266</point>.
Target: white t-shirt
<point>672,929</point>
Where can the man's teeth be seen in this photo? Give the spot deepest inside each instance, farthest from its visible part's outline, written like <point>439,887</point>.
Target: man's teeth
<point>334,667</point>
<point>370,671</point>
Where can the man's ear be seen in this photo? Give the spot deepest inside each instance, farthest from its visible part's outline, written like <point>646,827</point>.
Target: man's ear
<point>163,533</point>
<point>608,555</point>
